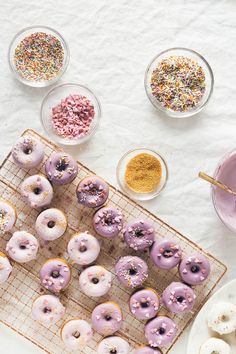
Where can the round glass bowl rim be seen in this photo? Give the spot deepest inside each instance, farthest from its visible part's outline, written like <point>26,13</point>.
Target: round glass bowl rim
<point>170,112</point>
<point>65,65</point>
<point>221,161</point>
<point>77,141</point>
<point>153,152</point>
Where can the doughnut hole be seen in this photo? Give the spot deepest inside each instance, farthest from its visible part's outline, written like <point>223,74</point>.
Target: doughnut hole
<point>62,165</point>
<point>180,299</point>
<point>162,331</point>
<point>95,280</point>
<point>28,150</point>
<point>138,232</point>
<point>107,317</point>
<point>37,190</point>
<point>195,269</point>
<point>51,224</point>
<point>55,274</point>
<point>132,271</point>
<point>47,310</point>
<point>168,253</point>
<point>76,334</point>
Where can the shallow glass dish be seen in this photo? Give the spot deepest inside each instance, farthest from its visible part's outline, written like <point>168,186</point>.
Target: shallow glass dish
<point>224,202</point>
<point>54,97</point>
<point>121,168</point>
<point>209,80</point>
<point>27,32</point>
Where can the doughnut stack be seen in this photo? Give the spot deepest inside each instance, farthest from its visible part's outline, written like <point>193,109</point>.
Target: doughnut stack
<point>83,249</point>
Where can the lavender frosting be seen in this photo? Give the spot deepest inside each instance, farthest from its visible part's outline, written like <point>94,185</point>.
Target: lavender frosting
<point>144,304</point>
<point>55,274</point>
<point>107,318</point>
<point>178,298</point>
<point>160,331</point>
<point>108,222</point>
<point>92,192</point>
<point>195,269</point>
<point>131,271</point>
<point>139,234</point>
<point>61,168</point>
<point>166,254</point>
<point>28,152</point>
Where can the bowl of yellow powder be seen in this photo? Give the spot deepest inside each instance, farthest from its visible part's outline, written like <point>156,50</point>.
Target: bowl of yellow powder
<point>142,173</point>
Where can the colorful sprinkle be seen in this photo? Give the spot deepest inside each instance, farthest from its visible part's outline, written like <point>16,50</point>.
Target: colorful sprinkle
<point>178,83</point>
<point>39,57</point>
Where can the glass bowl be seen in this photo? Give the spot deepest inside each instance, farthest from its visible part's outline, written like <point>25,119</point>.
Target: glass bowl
<point>209,79</point>
<point>54,97</point>
<point>224,202</point>
<point>25,33</point>
<point>121,168</point>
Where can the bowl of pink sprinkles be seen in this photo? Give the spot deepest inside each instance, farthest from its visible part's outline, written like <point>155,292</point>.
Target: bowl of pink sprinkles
<point>70,114</point>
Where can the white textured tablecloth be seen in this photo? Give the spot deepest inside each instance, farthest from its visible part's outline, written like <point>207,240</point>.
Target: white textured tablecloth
<point>111,43</point>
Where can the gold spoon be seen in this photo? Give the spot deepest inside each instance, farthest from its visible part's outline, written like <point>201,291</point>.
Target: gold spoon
<point>211,180</point>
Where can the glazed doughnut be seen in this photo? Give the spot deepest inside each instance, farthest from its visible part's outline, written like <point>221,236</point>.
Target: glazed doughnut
<point>5,268</point>
<point>113,345</point>
<point>55,274</point>
<point>166,254</point>
<point>194,270</point>
<point>147,350</point>
<point>22,247</point>
<point>61,168</point>
<point>160,331</point>
<point>47,309</point>
<point>178,298</point>
<point>7,216</point>
<point>36,191</point>
<point>92,192</point>
<point>139,234</point>
<point>76,334</point>
<point>222,318</point>
<point>215,346</point>
<point>83,248</point>
<point>51,224</point>
<point>131,271</point>
<point>95,281</point>
<point>108,222</point>
<point>107,318</point>
<point>144,304</point>
<point>28,152</point>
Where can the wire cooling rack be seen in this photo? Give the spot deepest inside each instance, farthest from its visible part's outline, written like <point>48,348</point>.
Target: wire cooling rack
<point>23,286</point>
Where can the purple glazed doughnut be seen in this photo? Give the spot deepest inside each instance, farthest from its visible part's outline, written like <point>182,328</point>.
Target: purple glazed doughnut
<point>36,191</point>
<point>47,309</point>
<point>131,271</point>
<point>160,331</point>
<point>92,192</point>
<point>107,318</point>
<point>108,222</point>
<point>55,274</point>
<point>61,168</point>
<point>144,304</point>
<point>194,270</point>
<point>139,234</point>
<point>22,247</point>
<point>28,152</point>
<point>166,254</point>
<point>147,350</point>
<point>51,224</point>
<point>178,298</point>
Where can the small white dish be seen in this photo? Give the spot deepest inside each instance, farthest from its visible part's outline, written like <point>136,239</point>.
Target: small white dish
<point>200,332</point>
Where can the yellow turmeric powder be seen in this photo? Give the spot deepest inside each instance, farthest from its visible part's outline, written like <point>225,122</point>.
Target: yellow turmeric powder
<point>143,173</point>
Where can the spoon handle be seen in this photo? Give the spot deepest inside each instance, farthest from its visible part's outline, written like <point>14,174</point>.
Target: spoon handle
<point>211,180</point>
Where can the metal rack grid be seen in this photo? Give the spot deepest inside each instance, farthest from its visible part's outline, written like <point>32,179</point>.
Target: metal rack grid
<point>17,295</point>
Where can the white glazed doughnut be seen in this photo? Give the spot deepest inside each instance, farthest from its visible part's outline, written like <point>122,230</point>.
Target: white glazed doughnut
<point>28,152</point>
<point>51,224</point>
<point>36,191</point>
<point>22,247</point>
<point>47,309</point>
<point>113,345</point>
<point>5,268</point>
<point>95,281</point>
<point>76,333</point>
<point>7,216</point>
<point>222,318</point>
<point>83,248</point>
<point>215,346</point>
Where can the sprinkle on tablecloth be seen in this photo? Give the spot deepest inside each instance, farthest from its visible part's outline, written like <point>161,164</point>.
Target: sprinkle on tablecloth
<point>178,83</point>
<point>39,57</point>
<point>72,118</point>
